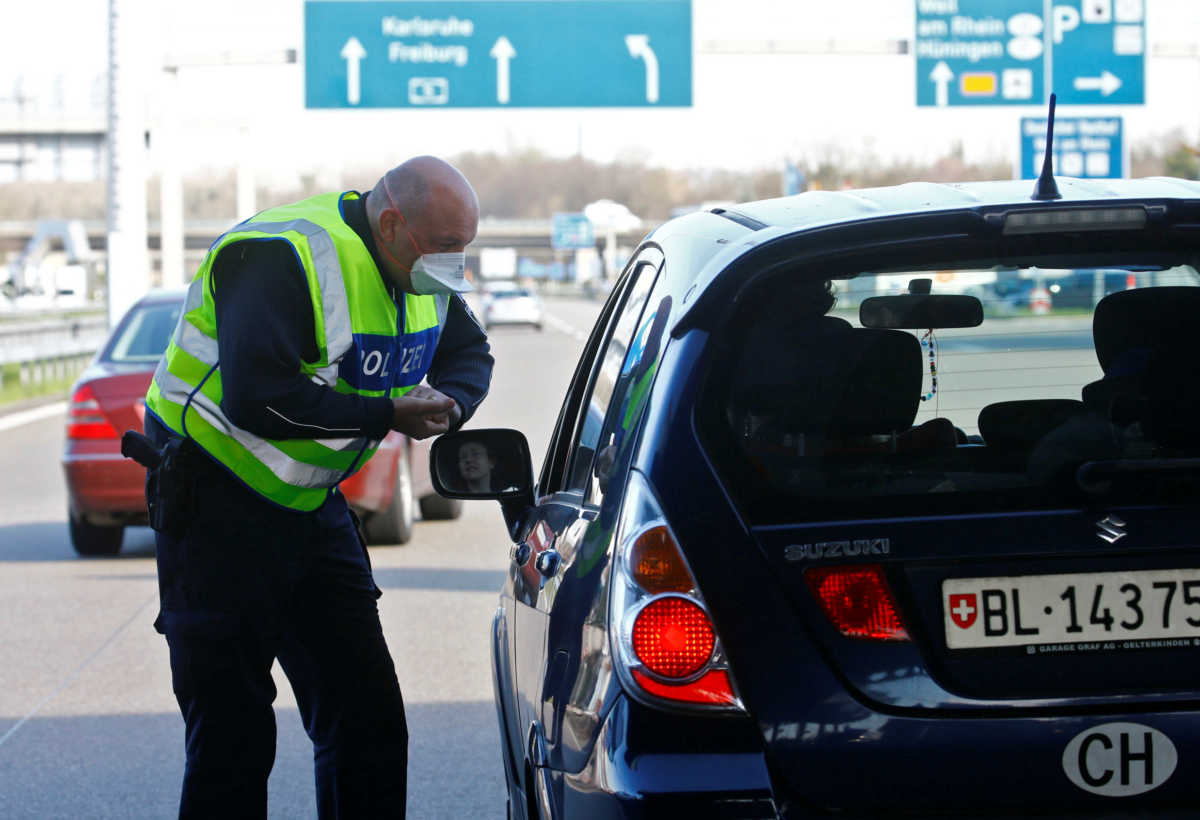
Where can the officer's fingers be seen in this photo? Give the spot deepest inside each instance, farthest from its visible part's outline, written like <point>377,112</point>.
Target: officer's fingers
<point>418,406</point>
<point>424,391</point>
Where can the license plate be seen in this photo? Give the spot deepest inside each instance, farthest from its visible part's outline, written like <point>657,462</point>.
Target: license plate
<point>1071,608</point>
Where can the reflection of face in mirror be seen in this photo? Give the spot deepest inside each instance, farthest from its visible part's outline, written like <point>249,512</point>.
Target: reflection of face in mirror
<point>481,464</point>
<point>475,465</point>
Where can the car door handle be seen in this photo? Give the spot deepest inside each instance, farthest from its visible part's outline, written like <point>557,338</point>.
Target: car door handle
<point>547,563</point>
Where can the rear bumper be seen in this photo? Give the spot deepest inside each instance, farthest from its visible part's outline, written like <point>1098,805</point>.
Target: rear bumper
<point>658,779</point>
<point>948,767</point>
<point>104,485</point>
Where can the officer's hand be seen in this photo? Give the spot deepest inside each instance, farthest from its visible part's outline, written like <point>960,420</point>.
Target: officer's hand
<point>423,412</point>
<point>424,391</point>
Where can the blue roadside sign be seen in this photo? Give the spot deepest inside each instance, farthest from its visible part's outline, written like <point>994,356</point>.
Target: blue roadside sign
<point>1016,52</point>
<point>571,231</point>
<point>1099,52</point>
<point>1084,147</point>
<point>793,180</point>
<point>497,53</point>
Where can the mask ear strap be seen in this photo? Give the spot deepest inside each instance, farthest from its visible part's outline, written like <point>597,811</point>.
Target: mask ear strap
<point>404,222</point>
<point>383,247</point>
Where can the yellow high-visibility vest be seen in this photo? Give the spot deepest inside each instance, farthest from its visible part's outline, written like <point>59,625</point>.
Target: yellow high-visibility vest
<point>366,345</point>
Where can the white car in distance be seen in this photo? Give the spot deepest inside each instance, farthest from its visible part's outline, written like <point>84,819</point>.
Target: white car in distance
<point>508,303</point>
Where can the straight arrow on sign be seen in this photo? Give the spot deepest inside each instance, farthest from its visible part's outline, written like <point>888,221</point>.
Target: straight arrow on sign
<point>502,51</point>
<point>639,46</point>
<point>352,53</point>
<point>941,76</point>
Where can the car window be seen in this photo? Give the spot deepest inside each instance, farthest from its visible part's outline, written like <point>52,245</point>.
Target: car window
<point>811,414</point>
<point>630,394</point>
<point>144,335</point>
<point>607,374</point>
<point>558,453</point>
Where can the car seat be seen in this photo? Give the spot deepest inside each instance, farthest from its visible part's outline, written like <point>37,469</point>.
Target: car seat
<point>1144,342</point>
<point>1019,425</point>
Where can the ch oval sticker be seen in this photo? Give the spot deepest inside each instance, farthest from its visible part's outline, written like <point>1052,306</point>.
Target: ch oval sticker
<point>1119,759</point>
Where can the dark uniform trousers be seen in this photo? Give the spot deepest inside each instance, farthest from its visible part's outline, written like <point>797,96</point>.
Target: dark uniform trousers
<point>242,583</point>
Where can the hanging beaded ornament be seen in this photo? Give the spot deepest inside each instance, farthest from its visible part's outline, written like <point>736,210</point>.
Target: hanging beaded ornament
<point>929,341</point>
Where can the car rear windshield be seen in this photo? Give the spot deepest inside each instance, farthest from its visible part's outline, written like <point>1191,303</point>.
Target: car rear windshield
<point>509,294</point>
<point>1077,383</point>
<point>144,335</point>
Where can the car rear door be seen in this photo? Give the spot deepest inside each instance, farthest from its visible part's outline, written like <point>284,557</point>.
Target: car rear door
<point>569,502</point>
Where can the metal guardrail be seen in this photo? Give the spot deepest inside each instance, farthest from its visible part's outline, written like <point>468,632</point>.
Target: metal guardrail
<point>49,349</point>
<point>51,338</point>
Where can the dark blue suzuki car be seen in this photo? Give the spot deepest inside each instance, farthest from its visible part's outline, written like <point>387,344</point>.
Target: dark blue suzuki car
<point>807,545</point>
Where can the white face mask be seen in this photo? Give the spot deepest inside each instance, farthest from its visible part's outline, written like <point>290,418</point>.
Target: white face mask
<point>440,273</point>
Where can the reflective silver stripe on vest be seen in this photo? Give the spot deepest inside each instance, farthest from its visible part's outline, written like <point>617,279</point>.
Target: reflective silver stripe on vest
<point>187,336</point>
<point>285,468</point>
<point>336,308</point>
<point>339,445</point>
<point>327,376</point>
<point>442,300</point>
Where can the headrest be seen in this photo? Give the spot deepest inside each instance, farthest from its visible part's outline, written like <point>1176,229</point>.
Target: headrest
<point>775,352</point>
<point>883,382</point>
<point>824,377</point>
<point>1145,344</point>
<point>1018,425</point>
<point>1129,324</point>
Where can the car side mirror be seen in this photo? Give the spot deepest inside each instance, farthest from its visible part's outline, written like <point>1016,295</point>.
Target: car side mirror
<point>483,464</point>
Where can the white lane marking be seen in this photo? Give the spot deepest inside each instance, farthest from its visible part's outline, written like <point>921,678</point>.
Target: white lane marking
<point>30,416</point>
<point>564,327</point>
<point>74,676</point>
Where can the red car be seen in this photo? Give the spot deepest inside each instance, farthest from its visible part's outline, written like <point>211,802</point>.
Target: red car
<point>106,492</point>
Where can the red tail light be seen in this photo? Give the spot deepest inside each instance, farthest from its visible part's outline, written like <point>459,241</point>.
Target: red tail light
<point>673,637</point>
<point>85,419</point>
<point>713,688</point>
<point>666,647</point>
<point>857,600</point>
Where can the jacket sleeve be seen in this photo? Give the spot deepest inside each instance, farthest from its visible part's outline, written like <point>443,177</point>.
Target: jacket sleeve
<point>265,331</point>
<point>462,364</point>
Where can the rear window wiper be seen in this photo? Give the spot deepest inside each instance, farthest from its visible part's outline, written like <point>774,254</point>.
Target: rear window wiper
<point>1097,476</point>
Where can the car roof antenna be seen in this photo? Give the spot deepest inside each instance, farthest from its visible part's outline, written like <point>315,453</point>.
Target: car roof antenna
<point>1046,189</point>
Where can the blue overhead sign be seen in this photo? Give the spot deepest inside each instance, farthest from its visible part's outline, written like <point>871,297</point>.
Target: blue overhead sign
<point>1084,147</point>
<point>570,232</point>
<point>1016,52</point>
<point>497,53</point>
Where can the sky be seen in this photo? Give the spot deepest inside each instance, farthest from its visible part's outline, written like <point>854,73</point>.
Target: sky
<point>748,111</point>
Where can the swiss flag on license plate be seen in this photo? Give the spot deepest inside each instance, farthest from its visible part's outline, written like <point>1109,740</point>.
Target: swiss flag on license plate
<point>964,608</point>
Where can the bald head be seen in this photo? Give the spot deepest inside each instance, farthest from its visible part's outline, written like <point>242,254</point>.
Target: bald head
<point>419,183</point>
<point>424,205</point>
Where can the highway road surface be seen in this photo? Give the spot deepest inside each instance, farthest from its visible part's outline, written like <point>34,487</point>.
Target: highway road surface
<point>89,727</point>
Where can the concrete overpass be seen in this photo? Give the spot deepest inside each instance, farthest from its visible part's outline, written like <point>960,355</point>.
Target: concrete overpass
<point>530,236</point>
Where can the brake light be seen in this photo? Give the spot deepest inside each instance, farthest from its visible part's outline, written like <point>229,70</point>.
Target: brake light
<point>1048,220</point>
<point>665,643</point>
<point>673,637</point>
<point>858,601</point>
<point>85,419</point>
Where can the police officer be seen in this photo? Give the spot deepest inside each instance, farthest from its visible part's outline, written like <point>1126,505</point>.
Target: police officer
<point>306,336</point>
